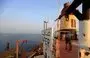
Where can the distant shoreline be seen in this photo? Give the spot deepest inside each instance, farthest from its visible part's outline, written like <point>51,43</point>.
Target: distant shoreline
<point>32,39</point>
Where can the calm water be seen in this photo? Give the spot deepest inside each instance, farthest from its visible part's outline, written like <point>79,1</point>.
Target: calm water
<point>33,39</point>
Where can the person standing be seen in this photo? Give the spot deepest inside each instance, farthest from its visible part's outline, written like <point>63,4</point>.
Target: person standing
<point>68,41</point>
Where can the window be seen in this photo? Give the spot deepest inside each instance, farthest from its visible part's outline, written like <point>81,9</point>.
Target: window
<point>67,19</point>
<point>73,23</point>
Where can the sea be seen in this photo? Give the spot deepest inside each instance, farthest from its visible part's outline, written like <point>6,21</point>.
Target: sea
<point>32,40</point>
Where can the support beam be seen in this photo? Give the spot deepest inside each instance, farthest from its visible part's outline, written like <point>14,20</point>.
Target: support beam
<point>86,9</point>
<point>17,48</point>
<point>78,14</point>
<point>73,6</point>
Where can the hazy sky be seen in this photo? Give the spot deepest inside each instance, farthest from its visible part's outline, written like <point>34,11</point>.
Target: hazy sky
<point>26,16</point>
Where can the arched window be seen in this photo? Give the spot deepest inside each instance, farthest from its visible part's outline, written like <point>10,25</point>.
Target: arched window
<point>73,23</point>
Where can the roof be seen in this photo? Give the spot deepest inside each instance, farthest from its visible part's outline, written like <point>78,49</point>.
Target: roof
<point>63,11</point>
<point>71,8</point>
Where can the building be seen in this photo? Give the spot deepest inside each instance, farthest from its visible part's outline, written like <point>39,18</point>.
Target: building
<point>67,23</point>
<point>48,40</point>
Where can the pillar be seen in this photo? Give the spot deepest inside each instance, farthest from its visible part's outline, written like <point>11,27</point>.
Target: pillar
<point>85,29</point>
<point>58,40</point>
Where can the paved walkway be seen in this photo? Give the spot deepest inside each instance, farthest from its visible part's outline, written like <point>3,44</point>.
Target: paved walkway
<point>69,54</point>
